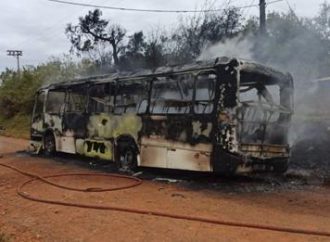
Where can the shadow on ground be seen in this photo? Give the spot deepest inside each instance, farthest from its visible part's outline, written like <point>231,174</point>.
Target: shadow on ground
<point>294,179</point>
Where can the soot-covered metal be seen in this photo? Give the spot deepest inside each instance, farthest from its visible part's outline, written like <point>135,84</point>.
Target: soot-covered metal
<point>224,115</point>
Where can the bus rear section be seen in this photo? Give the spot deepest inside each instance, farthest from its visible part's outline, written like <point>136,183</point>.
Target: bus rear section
<point>254,123</point>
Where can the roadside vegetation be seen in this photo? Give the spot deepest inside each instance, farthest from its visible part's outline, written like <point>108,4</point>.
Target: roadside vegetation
<point>4,237</point>
<point>298,45</point>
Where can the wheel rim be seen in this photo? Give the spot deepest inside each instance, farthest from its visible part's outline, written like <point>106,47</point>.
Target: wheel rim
<point>127,161</point>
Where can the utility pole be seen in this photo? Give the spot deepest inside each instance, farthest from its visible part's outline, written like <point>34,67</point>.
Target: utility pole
<point>16,53</point>
<point>262,9</point>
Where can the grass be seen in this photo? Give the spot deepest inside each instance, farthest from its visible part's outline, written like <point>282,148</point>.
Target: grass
<point>4,237</point>
<point>17,126</point>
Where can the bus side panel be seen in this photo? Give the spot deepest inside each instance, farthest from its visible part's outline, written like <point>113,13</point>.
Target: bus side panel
<point>189,159</point>
<point>65,144</point>
<point>106,126</point>
<point>158,152</point>
<point>102,131</point>
<point>95,148</point>
<point>153,156</point>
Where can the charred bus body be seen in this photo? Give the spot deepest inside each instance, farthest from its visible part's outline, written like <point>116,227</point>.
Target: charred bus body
<point>225,115</point>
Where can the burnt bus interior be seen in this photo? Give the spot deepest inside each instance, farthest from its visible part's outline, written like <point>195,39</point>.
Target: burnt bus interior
<point>265,111</point>
<point>266,98</point>
<point>234,114</point>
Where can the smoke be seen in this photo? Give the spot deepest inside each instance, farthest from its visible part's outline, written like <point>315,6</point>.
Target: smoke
<point>240,47</point>
<point>298,56</point>
<point>299,51</point>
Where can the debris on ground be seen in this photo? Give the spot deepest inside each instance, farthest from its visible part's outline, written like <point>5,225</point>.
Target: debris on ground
<point>164,179</point>
<point>311,149</point>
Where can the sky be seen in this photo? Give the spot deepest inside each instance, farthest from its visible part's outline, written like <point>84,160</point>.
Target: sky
<point>37,26</point>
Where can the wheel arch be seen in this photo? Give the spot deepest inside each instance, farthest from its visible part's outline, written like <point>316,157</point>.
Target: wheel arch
<point>49,132</point>
<point>123,141</point>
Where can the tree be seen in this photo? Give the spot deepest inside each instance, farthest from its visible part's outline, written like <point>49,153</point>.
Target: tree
<point>199,31</point>
<point>91,29</point>
<point>155,50</point>
<point>17,93</point>
<point>322,21</point>
<point>133,54</point>
<point>292,44</point>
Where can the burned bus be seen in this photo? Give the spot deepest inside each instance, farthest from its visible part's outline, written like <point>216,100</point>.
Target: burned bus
<point>226,115</point>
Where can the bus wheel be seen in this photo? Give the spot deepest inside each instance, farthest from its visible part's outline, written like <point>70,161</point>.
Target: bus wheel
<point>49,145</point>
<point>127,160</point>
<point>280,166</point>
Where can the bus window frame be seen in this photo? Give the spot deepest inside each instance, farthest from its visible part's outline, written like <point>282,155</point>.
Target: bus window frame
<point>62,109</point>
<point>215,98</point>
<point>142,81</point>
<point>67,96</point>
<point>192,111</point>
<point>110,92</point>
<point>41,92</point>
<point>155,79</point>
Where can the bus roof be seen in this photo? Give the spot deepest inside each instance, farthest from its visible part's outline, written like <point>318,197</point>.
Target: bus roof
<point>250,73</point>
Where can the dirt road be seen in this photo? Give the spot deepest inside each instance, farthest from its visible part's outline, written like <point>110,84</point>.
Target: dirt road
<point>302,206</point>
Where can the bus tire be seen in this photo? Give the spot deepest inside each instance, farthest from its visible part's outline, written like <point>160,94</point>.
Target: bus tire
<point>49,144</point>
<point>127,159</point>
<point>280,166</point>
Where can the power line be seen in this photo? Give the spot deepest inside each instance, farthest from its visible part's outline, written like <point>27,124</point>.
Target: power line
<point>152,10</point>
<point>49,32</point>
<point>249,9</point>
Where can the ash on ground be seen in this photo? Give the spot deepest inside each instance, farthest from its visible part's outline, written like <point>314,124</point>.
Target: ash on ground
<point>310,151</point>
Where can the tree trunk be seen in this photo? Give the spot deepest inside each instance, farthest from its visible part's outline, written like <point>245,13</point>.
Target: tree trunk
<point>115,54</point>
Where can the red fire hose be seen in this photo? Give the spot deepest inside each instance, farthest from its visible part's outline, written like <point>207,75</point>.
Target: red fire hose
<point>136,182</point>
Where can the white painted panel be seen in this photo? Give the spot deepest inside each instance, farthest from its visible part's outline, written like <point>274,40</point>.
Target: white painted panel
<point>153,156</point>
<point>188,160</point>
<point>66,144</point>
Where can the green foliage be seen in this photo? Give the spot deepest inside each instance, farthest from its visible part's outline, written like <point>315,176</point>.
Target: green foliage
<point>185,43</point>
<point>197,32</point>
<point>17,126</point>
<point>133,56</point>
<point>298,45</point>
<point>16,93</point>
<point>17,90</point>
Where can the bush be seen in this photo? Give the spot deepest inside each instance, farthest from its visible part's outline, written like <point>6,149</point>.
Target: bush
<point>17,94</point>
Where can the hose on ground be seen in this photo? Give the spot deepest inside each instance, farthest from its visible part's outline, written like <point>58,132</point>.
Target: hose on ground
<point>136,182</point>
